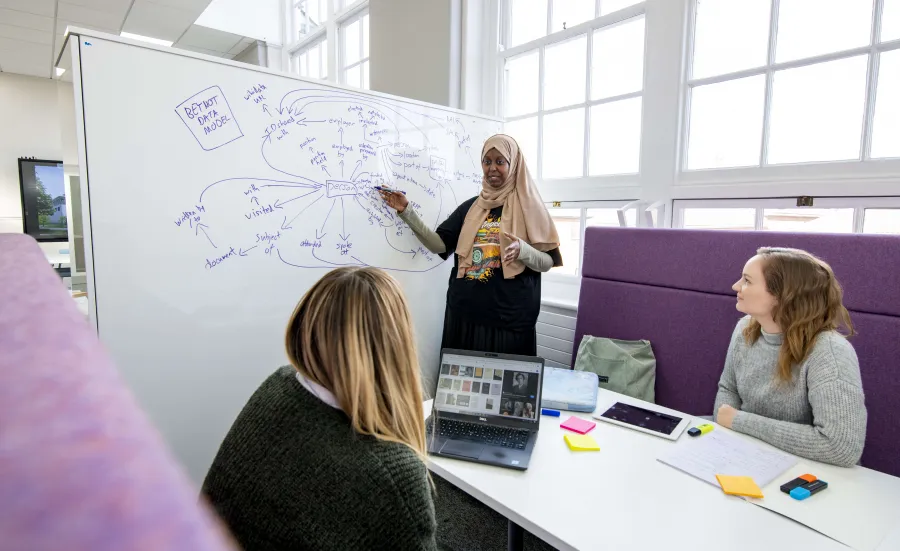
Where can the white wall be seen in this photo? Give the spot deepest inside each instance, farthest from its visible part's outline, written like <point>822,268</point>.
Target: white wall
<point>259,19</point>
<point>415,50</point>
<point>29,127</point>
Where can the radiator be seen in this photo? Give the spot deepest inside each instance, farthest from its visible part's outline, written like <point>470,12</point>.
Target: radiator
<point>555,335</point>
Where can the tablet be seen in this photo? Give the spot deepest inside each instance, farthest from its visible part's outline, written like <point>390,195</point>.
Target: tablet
<point>653,422</point>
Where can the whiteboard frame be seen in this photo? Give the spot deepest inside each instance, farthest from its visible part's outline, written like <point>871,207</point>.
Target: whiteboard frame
<point>84,168</point>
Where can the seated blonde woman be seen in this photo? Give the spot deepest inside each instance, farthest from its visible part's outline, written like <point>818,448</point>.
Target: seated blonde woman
<point>329,453</point>
<point>790,378</point>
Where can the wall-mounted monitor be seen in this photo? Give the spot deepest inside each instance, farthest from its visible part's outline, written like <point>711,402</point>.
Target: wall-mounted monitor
<point>43,188</point>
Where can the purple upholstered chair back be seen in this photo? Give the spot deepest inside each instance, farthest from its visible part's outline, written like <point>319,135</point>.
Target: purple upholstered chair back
<point>81,467</point>
<point>673,288</point>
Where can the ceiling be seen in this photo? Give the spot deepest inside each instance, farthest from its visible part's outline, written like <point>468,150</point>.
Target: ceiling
<point>32,31</point>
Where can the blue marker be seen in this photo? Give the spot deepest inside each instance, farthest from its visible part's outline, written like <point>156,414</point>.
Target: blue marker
<point>389,190</point>
<point>550,412</point>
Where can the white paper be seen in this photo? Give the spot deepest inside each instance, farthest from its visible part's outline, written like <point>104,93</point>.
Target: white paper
<point>720,453</point>
<point>859,508</point>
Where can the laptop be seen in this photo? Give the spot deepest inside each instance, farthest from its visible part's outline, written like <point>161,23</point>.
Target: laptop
<point>486,408</point>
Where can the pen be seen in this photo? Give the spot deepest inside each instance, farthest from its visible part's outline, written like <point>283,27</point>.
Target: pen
<point>702,429</point>
<point>389,190</point>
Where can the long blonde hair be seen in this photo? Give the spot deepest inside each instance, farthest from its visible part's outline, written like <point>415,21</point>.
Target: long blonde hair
<point>809,301</point>
<point>352,333</point>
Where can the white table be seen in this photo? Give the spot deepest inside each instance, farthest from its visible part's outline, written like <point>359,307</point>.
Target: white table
<point>622,498</point>
<point>57,259</point>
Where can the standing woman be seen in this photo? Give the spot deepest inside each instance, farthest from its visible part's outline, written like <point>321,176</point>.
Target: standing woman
<point>503,240</point>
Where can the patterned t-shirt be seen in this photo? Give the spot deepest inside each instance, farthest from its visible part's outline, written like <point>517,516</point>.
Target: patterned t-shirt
<point>486,251</point>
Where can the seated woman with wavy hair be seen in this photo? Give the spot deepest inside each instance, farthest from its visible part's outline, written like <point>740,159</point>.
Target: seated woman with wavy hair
<point>790,378</point>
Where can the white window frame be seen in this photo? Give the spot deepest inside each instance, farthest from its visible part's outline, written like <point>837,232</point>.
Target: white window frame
<point>858,204</point>
<point>357,14</point>
<point>584,206</point>
<point>295,57</point>
<point>330,31</point>
<point>875,177</point>
<point>587,28</point>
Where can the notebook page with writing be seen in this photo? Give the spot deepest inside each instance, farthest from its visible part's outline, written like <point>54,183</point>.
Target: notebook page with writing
<point>721,453</point>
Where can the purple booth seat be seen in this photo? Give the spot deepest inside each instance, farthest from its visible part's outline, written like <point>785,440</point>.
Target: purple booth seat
<point>81,467</point>
<point>673,288</point>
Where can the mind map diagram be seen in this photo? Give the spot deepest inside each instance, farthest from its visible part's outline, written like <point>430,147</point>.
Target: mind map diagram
<point>325,151</point>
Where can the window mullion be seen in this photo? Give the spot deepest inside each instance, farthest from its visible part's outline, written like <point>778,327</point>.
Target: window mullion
<point>587,111</point>
<point>770,77</point>
<point>759,219</point>
<point>859,214</point>
<point>549,25</point>
<point>865,148</point>
<point>540,137</point>
<point>583,226</point>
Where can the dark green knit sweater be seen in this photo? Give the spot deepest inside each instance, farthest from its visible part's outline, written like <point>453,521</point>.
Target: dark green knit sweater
<point>292,474</point>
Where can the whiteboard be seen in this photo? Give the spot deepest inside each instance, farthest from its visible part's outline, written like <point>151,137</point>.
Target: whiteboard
<point>219,193</point>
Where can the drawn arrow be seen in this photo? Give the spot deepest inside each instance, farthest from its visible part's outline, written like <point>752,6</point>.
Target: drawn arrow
<point>358,164</point>
<point>299,213</point>
<point>203,227</point>
<point>266,109</point>
<point>411,251</point>
<point>284,224</point>
<point>320,236</point>
<point>255,199</point>
<point>342,167</point>
<point>242,252</point>
<point>325,169</point>
<point>327,216</point>
<point>280,110</point>
<point>343,222</point>
<point>280,204</point>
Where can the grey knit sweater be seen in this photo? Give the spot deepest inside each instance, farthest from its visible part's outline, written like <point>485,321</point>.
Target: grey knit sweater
<point>292,474</point>
<point>820,415</point>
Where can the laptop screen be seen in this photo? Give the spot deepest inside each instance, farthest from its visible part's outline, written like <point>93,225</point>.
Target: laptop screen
<point>488,386</point>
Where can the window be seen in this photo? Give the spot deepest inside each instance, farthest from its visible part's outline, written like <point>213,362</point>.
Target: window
<point>355,52</point>
<point>313,62</point>
<point>571,219</point>
<point>308,16</point>
<point>572,98</point>
<point>792,81</point>
<point>831,215</point>
<point>330,40</point>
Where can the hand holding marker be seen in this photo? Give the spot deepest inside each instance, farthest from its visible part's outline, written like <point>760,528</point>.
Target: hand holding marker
<point>394,198</point>
<point>389,190</point>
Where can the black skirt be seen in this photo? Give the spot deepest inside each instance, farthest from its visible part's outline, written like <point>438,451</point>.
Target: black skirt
<point>462,334</point>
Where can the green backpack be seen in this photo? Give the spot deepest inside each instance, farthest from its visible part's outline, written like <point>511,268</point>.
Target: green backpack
<point>626,367</point>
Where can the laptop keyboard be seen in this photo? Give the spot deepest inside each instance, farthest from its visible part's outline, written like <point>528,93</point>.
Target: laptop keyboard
<point>484,434</point>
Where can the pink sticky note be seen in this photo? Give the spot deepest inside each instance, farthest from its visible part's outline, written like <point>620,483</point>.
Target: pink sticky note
<point>576,424</point>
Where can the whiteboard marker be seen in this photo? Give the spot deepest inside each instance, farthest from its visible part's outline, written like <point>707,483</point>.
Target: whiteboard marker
<point>389,190</point>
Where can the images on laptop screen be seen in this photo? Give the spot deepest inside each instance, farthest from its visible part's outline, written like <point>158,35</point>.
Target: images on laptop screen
<point>489,386</point>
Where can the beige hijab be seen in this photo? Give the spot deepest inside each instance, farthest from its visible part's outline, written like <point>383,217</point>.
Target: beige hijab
<point>524,214</point>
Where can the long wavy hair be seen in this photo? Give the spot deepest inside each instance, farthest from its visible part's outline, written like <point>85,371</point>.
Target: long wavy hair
<point>809,301</point>
<point>352,333</point>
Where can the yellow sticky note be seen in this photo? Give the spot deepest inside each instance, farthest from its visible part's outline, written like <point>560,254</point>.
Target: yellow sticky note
<point>581,443</point>
<point>739,486</point>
